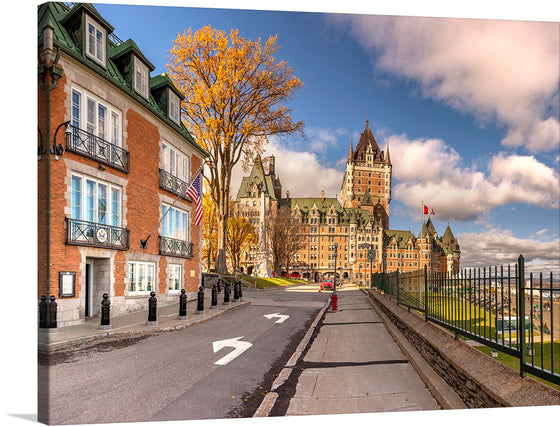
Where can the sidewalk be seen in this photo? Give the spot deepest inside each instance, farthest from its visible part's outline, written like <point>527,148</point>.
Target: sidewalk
<point>134,324</point>
<point>349,364</point>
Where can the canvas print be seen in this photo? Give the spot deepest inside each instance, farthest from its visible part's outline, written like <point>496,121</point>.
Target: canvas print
<point>259,214</point>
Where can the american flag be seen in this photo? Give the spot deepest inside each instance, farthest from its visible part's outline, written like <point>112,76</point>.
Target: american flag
<point>196,195</point>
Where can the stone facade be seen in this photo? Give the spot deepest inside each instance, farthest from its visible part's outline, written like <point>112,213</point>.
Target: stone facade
<point>358,223</point>
<point>102,102</point>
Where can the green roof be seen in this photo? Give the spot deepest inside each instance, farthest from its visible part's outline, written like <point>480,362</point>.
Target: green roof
<point>56,14</point>
<point>401,238</point>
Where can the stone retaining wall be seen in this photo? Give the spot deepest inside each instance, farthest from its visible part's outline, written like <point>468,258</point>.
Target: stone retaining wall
<point>478,379</point>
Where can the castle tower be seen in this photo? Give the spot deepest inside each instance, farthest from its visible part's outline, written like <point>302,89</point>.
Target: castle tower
<point>368,177</point>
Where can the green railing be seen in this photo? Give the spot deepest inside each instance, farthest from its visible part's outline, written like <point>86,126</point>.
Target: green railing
<point>487,305</point>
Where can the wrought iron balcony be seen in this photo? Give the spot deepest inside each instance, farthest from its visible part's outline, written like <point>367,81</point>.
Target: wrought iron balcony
<point>173,184</point>
<point>86,144</point>
<point>174,247</point>
<point>85,233</point>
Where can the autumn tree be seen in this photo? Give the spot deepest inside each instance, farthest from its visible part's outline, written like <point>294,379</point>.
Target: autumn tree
<point>240,236</point>
<point>235,92</point>
<point>284,238</point>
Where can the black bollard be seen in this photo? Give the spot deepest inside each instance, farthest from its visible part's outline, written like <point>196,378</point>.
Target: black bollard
<point>219,285</point>
<point>51,310</point>
<point>43,319</point>
<point>214,296</point>
<point>105,313</point>
<point>152,310</point>
<point>240,290</point>
<point>200,305</point>
<point>235,292</point>
<point>182,305</point>
<point>226,293</point>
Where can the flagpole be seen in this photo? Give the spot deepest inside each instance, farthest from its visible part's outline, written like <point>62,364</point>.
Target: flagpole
<point>144,242</point>
<point>421,241</point>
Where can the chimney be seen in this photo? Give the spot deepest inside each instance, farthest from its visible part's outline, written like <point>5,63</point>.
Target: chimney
<point>322,195</point>
<point>287,195</point>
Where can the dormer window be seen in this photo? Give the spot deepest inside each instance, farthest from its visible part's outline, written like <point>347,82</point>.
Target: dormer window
<point>174,107</point>
<point>96,36</point>
<point>140,77</point>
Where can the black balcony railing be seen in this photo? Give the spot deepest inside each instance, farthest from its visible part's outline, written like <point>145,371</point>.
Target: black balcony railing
<point>174,247</point>
<point>85,233</point>
<point>173,184</point>
<point>81,142</point>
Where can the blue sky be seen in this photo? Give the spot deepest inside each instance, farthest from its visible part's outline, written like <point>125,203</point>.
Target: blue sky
<point>469,109</point>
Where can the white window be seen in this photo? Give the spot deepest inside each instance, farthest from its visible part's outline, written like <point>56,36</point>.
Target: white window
<point>140,77</point>
<point>141,277</point>
<point>96,116</point>
<point>95,40</point>
<point>174,277</point>
<point>175,162</point>
<point>95,201</point>
<point>174,105</point>
<point>175,224</point>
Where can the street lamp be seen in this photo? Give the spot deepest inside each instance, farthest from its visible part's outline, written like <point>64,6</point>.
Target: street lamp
<point>58,150</point>
<point>334,295</point>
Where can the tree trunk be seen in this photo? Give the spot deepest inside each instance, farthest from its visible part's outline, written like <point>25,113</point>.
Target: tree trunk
<point>221,264</point>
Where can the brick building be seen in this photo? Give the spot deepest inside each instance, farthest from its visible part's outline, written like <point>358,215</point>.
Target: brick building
<point>358,223</point>
<point>113,158</point>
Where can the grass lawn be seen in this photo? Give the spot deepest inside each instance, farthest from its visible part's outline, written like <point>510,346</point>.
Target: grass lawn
<point>513,362</point>
<point>275,281</point>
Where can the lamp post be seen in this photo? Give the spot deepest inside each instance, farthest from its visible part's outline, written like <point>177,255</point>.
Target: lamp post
<point>334,296</point>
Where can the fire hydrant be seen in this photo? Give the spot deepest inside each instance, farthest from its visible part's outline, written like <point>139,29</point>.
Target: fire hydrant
<point>334,298</point>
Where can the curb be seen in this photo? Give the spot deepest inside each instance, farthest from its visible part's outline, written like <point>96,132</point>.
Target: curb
<point>443,393</point>
<point>111,336</point>
<point>270,398</point>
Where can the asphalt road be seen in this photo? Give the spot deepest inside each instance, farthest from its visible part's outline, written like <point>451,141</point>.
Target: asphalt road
<point>174,375</point>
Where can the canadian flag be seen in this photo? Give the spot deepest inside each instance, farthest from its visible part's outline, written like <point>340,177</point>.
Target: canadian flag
<point>428,211</point>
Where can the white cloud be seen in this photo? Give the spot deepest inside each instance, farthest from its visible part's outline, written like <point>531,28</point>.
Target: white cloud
<point>321,139</point>
<point>432,172</point>
<point>500,247</point>
<point>301,173</point>
<point>502,70</point>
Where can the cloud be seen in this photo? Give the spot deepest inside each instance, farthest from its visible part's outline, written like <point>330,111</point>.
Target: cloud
<point>301,173</point>
<point>500,247</point>
<point>495,70</point>
<point>430,171</point>
<point>321,139</point>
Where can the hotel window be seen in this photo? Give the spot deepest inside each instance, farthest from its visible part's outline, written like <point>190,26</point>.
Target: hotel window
<point>175,162</point>
<point>95,116</point>
<point>140,77</point>
<point>141,277</point>
<point>95,201</point>
<point>175,224</point>
<point>95,41</point>
<point>174,277</point>
<point>174,105</point>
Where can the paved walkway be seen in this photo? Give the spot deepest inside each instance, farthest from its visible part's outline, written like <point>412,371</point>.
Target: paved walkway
<point>353,365</point>
<point>134,324</point>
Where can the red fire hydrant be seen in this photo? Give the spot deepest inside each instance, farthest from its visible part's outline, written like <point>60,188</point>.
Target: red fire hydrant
<point>334,298</point>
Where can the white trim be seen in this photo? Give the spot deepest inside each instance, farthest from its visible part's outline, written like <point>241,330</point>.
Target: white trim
<point>141,84</point>
<point>98,30</point>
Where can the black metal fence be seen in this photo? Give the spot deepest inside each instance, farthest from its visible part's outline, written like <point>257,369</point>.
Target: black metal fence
<point>86,233</point>
<point>499,307</point>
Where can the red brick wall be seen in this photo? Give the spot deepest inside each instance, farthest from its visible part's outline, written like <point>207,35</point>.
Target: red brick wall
<point>142,204</point>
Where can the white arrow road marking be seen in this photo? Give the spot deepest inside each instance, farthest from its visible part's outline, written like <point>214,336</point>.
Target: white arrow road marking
<point>240,347</point>
<point>281,319</point>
